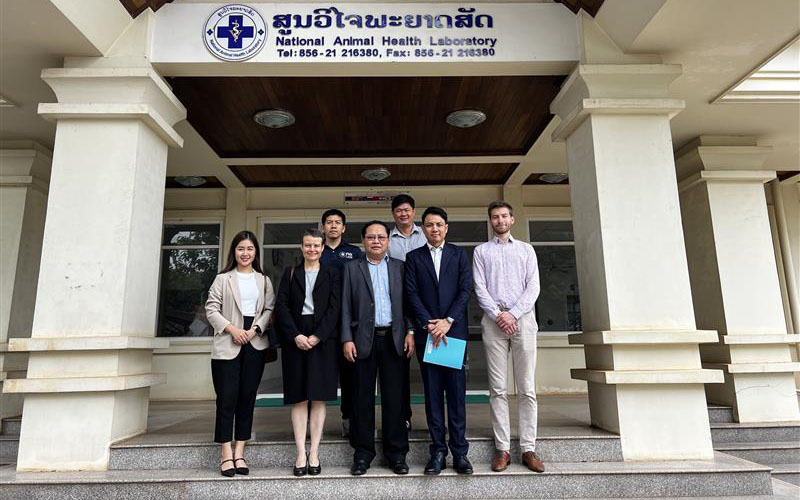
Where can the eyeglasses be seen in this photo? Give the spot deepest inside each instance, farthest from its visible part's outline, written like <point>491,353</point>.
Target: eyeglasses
<point>375,237</point>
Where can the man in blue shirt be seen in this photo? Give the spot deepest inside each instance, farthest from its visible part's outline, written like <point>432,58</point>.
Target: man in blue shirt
<point>377,338</point>
<point>337,253</point>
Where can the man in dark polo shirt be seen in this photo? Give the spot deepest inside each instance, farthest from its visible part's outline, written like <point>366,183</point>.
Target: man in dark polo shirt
<point>337,253</point>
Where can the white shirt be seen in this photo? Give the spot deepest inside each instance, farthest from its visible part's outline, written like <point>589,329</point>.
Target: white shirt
<point>436,255</point>
<point>308,304</point>
<point>248,292</point>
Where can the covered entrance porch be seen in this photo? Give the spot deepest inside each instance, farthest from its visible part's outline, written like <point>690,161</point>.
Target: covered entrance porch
<point>625,235</point>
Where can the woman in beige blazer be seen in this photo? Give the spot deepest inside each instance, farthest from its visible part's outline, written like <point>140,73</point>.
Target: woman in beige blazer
<point>238,308</point>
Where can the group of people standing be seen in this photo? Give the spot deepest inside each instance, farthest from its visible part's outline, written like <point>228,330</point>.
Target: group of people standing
<point>357,318</point>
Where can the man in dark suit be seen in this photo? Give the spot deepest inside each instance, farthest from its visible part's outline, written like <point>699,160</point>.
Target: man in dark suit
<point>377,337</point>
<point>438,285</point>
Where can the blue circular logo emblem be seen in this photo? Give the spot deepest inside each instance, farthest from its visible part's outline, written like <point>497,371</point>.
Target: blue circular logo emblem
<point>235,32</point>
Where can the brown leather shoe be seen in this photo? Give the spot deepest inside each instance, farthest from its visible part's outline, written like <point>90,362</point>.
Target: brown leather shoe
<point>500,461</point>
<point>532,461</point>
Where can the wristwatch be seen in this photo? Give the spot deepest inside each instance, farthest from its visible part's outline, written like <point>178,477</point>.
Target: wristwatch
<point>258,330</point>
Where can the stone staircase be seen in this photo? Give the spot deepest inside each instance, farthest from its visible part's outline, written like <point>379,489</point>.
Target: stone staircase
<point>581,463</point>
<point>774,445</point>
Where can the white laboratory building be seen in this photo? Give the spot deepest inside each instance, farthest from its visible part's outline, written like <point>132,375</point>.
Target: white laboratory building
<point>650,149</point>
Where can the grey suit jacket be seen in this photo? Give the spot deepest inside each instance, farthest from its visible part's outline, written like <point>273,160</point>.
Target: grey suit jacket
<point>358,306</point>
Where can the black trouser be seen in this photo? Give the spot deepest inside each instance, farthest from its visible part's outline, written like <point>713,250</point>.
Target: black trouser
<point>391,366</point>
<point>346,385</point>
<point>442,383</point>
<point>407,391</point>
<point>236,384</point>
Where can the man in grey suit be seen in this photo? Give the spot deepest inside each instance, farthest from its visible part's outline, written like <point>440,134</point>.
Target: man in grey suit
<point>376,337</point>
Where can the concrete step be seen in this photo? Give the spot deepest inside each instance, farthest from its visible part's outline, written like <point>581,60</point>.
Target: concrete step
<point>720,414</point>
<point>756,432</point>
<point>9,446</point>
<point>134,454</point>
<point>11,426</point>
<point>787,472</point>
<point>764,453</point>
<point>724,476</point>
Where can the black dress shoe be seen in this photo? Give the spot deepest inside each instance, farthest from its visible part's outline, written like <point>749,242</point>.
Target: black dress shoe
<point>227,472</point>
<point>462,464</point>
<point>241,470</point>
<point>435,464</point>
<point>314,470</point>
<point>400,467</point>
<point>301,471</point>
<point>359,468</point>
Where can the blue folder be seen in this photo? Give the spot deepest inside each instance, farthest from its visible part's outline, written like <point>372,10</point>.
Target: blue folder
<point>450,355</point>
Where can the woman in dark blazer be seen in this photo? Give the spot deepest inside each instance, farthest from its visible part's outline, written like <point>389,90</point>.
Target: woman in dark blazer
<point>307,317</point>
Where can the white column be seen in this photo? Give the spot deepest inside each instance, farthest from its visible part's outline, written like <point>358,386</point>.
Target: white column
<point>734,276</point>
<point>24,178</point>
<point>643,365</point>
<point>89,371</point>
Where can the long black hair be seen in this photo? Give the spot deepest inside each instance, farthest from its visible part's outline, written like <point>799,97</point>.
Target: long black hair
<point>241,236</point>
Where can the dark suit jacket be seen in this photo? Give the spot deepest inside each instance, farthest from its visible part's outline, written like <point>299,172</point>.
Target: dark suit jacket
<point>326,295</point>
<point>431,299</point>
<point>358,305</point>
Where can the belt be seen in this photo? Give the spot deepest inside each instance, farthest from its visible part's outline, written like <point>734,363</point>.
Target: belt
<point>381,331</point>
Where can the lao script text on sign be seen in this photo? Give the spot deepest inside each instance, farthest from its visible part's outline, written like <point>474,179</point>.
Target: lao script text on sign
<point>381,32</point>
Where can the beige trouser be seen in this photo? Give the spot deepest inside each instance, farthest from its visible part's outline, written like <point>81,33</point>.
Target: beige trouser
<point>523,350</point>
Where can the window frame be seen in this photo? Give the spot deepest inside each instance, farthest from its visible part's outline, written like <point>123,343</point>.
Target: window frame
<point>552,218</point>
<point>186,221</point>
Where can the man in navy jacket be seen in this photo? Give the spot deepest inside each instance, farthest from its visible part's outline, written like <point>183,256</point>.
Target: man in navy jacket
<point>438,281</point>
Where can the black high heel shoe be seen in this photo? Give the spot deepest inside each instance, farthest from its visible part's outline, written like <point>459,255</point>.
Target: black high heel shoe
<point>301,471</point>
<point>241,470</point>
<point>314,470</point>
<point>227,472</point>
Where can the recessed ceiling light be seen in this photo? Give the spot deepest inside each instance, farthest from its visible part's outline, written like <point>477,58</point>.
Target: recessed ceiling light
<point>553,178</point>
<point>274,118</point>
<point>190,180</point>
<point>465,118</point>
<point>376,174</point>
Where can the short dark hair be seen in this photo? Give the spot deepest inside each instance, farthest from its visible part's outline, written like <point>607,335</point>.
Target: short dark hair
<point>500,204</point>
<point>434,211</point>
<point>333,211</point>
<point>373,223</point>
<point>401,199</point>
<point>314,233</point>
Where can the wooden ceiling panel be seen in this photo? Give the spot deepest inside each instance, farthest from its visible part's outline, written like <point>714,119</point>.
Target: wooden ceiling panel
<point>350,175</point>
<point>368,116</point>
<point>136,7</point>
<point>590,6</point>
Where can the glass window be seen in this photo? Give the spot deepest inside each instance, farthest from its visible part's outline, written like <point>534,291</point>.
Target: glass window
<point>551,231</point>
<point>286,233</point>
<point>558,306</point>
<point>191,234</point>
<point>189,263</point>
<point>467,231</point>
